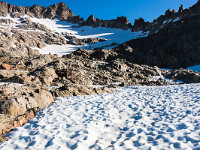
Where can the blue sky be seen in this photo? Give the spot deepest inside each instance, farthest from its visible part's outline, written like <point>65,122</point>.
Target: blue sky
<point>111,9</point>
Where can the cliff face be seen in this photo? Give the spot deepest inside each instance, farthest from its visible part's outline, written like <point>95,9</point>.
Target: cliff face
<point>59,10</point>
<point>120,22</point>
<point>174,40</point>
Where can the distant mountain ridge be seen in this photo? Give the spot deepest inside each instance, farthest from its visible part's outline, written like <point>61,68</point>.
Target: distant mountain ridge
<point>170,15</point>
<point>59,10</point>
<point>62,12</point>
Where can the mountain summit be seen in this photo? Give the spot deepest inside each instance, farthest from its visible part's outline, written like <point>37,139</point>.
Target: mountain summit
<point>62,12</point>
<point>59,10</point>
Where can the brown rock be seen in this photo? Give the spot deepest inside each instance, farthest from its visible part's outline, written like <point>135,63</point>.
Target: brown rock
<point>60,10</point>
<point>6,66</point>
<point>10,107</point>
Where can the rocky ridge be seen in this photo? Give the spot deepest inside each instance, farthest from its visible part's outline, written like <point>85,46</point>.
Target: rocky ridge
<point>59,10</point>
<point>62,12</point>
<point>168,18</point>
<point>172,44</point>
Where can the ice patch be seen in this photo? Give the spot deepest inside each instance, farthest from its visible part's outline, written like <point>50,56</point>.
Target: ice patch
<point>166,68</point>
<point>168,80</point>
<point>177,19</point>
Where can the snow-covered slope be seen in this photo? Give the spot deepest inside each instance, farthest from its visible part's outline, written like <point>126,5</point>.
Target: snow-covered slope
<point>111,35</point>
<point>165,117</point>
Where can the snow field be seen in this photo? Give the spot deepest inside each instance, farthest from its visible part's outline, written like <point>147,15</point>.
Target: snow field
<point>111,35</point>
<point>166,117</point>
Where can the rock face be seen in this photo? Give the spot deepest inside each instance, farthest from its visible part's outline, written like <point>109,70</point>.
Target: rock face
<point>140,24</point>
<point>18,104</point>
<point>82,67</point>
<point>187,76</point>
<point>59,10</point>
<point>162,21</point>
<point>120,22</point>
<point>174,45</point>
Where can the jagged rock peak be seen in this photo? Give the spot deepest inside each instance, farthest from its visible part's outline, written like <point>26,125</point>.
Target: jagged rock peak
<point>169,16</point>
<point>123,19</point>
<point>59,10</point>
<point>119,22</point>
<point>91,20</point>
<point>180,9</point>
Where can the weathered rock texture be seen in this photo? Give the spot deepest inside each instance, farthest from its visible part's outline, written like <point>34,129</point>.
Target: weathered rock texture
<point>18,104</point>
<point>82,67</point>
<point>20,38</point>
<point>59,10</point>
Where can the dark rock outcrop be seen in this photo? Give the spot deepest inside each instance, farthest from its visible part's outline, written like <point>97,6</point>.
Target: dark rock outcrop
<point>163,20</point>
<point>120,22</point>
<point>140,24</point>
<point>175,45</point>
<point>187,76</point>
<point>76,41</point>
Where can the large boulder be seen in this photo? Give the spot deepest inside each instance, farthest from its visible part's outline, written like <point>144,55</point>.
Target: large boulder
<point>187,76</point>
<point>18,103</point>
